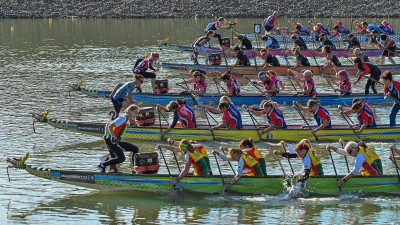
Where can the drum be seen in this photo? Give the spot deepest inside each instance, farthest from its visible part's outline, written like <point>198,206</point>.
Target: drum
<point>146,117</point>
<point>145,163</point>
<point>214,59</point>
<point>226,42</point>
<point>162,86</point>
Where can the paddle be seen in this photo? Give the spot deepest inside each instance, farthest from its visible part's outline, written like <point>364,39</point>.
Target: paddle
<point>334,169</point>
<point>256,86</point>
<point>283,170</point>
<point>209,124</point>
<point>176,160</point>
<point>350,124</point>
<point>290,164</point>
<point>254,121</point>
<point>165,161</point>
<point>345,158</point>
<point>234,173</point>
<point>334,89</point>
<point>219,169</point>
<point>395,163</point>
<point>304,119</point>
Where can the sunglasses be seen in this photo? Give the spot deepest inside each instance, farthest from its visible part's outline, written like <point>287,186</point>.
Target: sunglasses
<point>141,81</point>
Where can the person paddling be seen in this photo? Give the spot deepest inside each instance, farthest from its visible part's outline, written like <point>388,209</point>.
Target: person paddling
<point>112,136</point>
<point>182,114</point>
<point>391,89</point>
<point>230,119</point>
<point>365,116</point>
<point>312,165</point>
<point>321,115</point>
<point>199,82</point>
<point>193,158</point>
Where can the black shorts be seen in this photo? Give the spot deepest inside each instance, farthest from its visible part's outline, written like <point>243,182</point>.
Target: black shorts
<point>390,51</point>
<point>147,74</point>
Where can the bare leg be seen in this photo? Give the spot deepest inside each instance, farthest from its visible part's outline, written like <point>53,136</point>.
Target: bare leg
<point>153,84</point>
<point>391,60</point>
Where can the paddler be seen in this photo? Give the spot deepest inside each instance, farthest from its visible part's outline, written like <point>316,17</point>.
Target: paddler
<point>301,60</point>
<point>274,115</point>
<point>269,22</point>
<point>230,120</point>
<point>358,54</point>
<point>331,59</point>
<point>266,82</point>
<point>311,163</point>
<point>193,158</point>
<point>112,136</point>
<point>367,68</point>
<point>299,41</point>
<point>391,89</point>
<point>213,26</point>
<point>353,42</point>
<point>199,82</point>
<point>247,165</point>
<point>182,114</point>
<point>121,96</point>
<point>362,160</point>
<point>199,147</point>
<point>269,59</point>
<point>389,48</point>
<point>247,147</point>
<point>386,27</point>
<point>300,29</point>
<point>340,29</point>
<point>365,116</point>
<point>270,41</point>
<point>241,58</point>
<point>147,63</point>
<point>344,83</point>
<point>323,40</point>
<point>373,158</point>
<point>321,115</point>
<point>309,88</point>
<point>231,83</point>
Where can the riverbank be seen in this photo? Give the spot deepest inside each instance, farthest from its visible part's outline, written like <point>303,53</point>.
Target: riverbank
<point>194,8</point>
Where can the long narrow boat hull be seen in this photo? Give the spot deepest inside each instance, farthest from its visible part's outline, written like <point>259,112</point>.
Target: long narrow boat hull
<point>294,133</point>
<point>248,99</point>
<point>251,54</point>
<point>280,70</point>
<point>271,185</point>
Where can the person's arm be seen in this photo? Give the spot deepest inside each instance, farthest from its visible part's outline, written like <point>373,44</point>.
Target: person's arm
<point>170,147</point>
<point>325,123</point>
<point>285,154</point>
<point>129,96</point>
<point>237,176</point>
<point>111,127</point>
<point>364,125</point>
<point>183,173</point>
<point>357,166</point>
<point>339,151</point>
<point>269,128</point>
<point>185,81</point>
<point>211,109</point>
<point>222,125</point>
<point>255,111</point>
<point>302,108</point>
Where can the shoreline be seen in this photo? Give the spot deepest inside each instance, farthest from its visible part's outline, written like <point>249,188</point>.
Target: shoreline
<point>180,9</point>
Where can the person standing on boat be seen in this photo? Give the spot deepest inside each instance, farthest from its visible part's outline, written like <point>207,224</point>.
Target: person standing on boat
<point>241,58</point>
<point>231,84</point>
<point>215,26</point>
<point>344,83</point>
<point>299,41</point>
<point>365,116</point>
<point>391,89</point>
<point>373,159</point>
<point>182,114</point>
<point>201,45</point>
<point>245,43</point>
<point>112,137</point>
<point>353,42</point>
<point>367,68</point>
<point>266,82</point>
<point>142,67</point>
<point>230,119</point>
<point>247,147</point>
<point>389,48</point>
<point>121,96</point>
<point>199,147</point>
<point>362,160</point>
<point>193,158</point>
<point>306,77</point>
<point>311,163</point>
<point>269,22</point>
<point>269,59</point>
<point>321,115</point>
<point>199,82</point>
<point>274,115</point>
<point>247,165</point>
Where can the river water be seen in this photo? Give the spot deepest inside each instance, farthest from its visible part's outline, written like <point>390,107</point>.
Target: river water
<point>40,58</point>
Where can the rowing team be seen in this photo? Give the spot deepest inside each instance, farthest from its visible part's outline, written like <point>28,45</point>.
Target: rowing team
<point>250,160</point>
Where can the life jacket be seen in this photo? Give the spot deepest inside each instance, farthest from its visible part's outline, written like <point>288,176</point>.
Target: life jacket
<point>343,30</point>
<point>324,30</point>
<point>368,168</point>
<point>248,165</point>
<point>346,84</point>
<point>254,152</point>
<point>278,115</point>
<point>268,85</point>
<point>144,65</point>
<point>233,84</point>
<point>387,28</point>
<point>278,83</point>
<point>200,148</point>
<point>371,118</point>
<point>374,69</point>
<point>321,109</point>
<point>302,30</point>
<point>232,120</point>
<point>374,27</point>
<point>212,26</point>
<point>312,84</point>
<point>197,42</point>
<point>198,163</point>
<point>186,116</point>
<point>315,164</point>
<point>119,130</point>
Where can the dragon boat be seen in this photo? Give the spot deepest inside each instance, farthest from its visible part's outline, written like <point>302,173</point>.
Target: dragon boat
<point>203,133</point>
<point>244,99</point>
<point>160,183</point>
<point>280,70</point>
